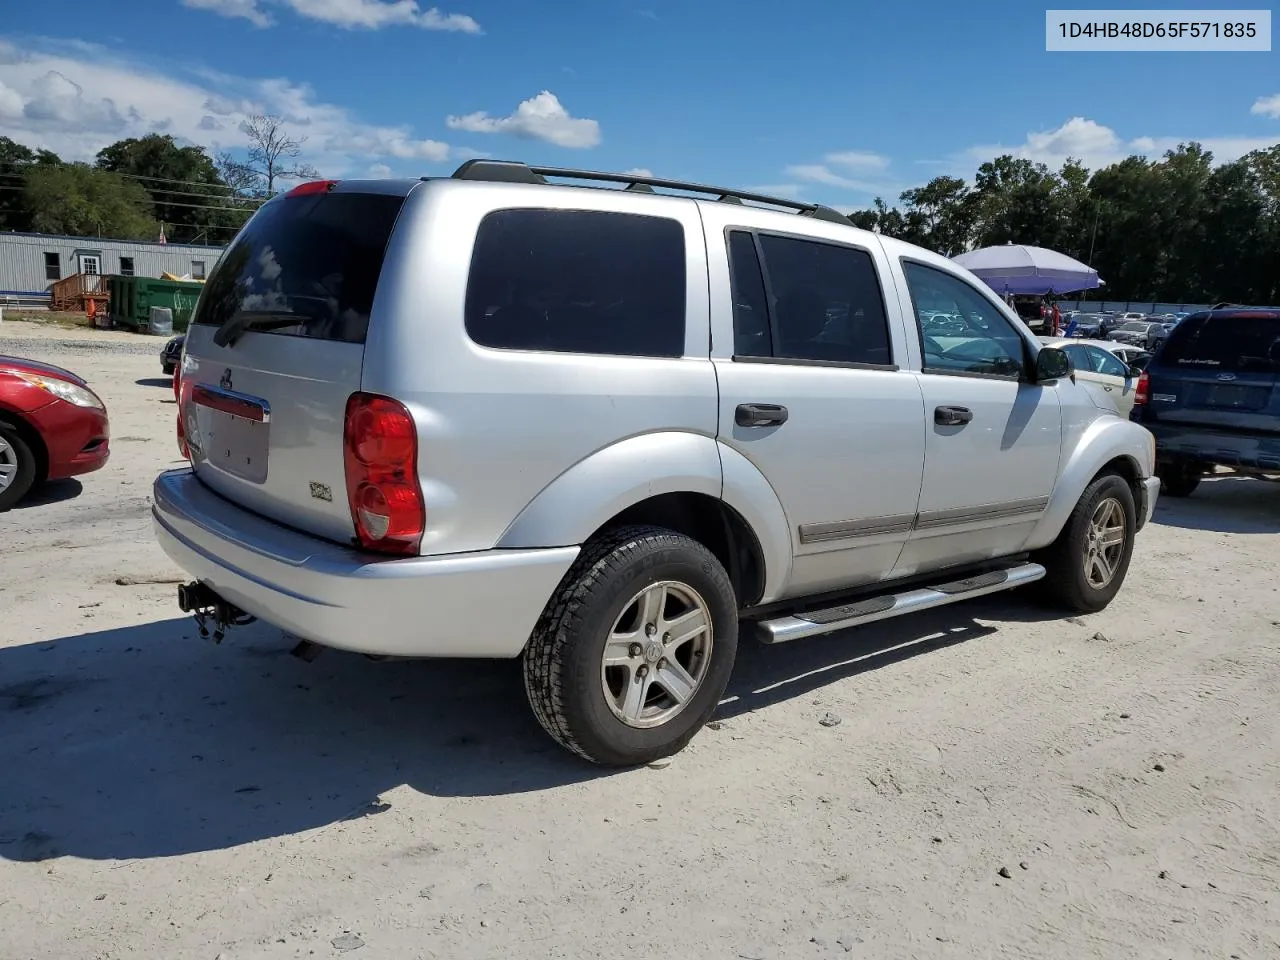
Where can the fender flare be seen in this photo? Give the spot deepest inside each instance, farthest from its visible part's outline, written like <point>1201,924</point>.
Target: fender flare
<point>599,487</point>
<point>1103,441</point>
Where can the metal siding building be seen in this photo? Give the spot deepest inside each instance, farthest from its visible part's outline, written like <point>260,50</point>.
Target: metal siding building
<point>30,262</point>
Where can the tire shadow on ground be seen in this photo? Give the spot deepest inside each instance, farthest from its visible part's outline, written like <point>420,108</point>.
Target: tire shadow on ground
<point>146,741</point>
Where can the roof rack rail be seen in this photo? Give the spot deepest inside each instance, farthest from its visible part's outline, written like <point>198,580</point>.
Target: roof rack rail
<point>509,171</point>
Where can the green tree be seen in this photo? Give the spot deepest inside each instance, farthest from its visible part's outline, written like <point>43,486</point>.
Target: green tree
<point>15,160</point>
<point>77,199</point>
<point>189,195</point>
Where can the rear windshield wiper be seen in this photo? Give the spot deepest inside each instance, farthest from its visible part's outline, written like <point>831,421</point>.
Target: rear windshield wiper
<point>230,331</point>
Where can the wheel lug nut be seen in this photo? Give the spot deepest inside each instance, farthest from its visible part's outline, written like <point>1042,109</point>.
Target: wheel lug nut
<point>642,672</point>
<point>666,638</point>
<point>634,650</point>
<point>662,663</point>
<point>650,629</point>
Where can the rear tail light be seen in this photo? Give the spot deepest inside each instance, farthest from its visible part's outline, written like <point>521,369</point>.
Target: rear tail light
<point>380,453</point>
<point>312,187</point>
<point>1142,393</point>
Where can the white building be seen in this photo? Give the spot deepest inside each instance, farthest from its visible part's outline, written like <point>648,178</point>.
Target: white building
<point>30,262</point>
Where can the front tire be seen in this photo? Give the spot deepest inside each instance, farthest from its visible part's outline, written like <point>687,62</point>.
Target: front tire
<point>1086,566</point>
<point>17,467</point>
<point>634,650</point>
<point>1179,478</point>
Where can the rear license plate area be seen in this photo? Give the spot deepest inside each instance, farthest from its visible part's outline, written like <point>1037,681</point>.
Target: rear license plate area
<point>235,443</point>
<point>1236,397</point>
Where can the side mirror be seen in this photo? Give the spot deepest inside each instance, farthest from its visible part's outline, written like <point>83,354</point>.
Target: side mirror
<point>1052,364</point>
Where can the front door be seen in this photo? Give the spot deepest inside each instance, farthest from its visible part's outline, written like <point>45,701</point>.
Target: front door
<point>90,264</point>
<point>810,394</point>
<point>993,440</point>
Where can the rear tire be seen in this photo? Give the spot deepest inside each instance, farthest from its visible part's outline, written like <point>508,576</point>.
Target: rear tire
<point>1179,478</point>
<point>1086,566</point>
<point>598,674</point>
<point>17,467</point>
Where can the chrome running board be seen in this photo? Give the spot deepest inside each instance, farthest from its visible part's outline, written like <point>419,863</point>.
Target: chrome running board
<point>813,623</point>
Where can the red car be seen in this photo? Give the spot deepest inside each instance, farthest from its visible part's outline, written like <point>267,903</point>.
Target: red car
<point>51,426</point>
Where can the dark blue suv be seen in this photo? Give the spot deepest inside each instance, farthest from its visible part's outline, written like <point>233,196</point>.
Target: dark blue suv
<point>1211,396</point>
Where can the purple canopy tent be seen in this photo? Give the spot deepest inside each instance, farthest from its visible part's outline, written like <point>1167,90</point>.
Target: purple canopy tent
<point>1023,270</point>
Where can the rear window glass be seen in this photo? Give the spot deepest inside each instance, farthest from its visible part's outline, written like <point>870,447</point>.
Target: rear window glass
<point>578,281</point>
<point>1224,343</point>
<point>304,266</point>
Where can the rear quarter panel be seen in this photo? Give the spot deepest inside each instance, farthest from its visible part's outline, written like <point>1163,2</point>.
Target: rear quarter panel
<point>499,429</point>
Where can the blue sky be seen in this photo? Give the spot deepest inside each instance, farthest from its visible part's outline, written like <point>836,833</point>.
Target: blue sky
<point>826,100</point>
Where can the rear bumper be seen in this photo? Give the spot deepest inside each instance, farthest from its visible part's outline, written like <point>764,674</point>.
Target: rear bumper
<point>1210,447</point>
<point>482,604</point>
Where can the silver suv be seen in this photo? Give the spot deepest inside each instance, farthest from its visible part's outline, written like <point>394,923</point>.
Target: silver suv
<point>604,429</point>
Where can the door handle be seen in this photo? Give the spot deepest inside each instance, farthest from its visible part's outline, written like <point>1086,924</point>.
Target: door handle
<point>1107,388</point>
<point>760,415</point>
<point>952,416</point>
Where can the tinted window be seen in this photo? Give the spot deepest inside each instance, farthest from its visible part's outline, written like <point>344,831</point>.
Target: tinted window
<point>577,281</point>
<point>823,301</point>
<point>1109,364</point>
<point>751,336</point>
<point>1224,343</point>
<point>126,266</point>
<point>985,342</point>
<point>1080,358</point>
<point>52,266</point>
<point>305,266</point>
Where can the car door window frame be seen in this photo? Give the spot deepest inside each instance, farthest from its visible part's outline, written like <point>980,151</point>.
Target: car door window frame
<point>762,264</point>
<point>1027,358</point>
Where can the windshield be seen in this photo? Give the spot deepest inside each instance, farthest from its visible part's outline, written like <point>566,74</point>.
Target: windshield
<point>305,266</point>
<point>1225,343</point>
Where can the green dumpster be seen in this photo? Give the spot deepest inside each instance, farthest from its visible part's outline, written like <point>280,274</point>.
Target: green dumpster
<point>133,297</point>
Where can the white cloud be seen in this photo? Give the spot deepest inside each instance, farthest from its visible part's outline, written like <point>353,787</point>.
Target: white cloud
<point>77,104</point>
<point>1098,146</point>
<point>860,171</point>
<point>379,171</point>
<point>349,14</point>
<point>247,9</point>
<point>538,118</point>
<point>1267,106</point>
<point>861,161</point>
<point>638,172</point>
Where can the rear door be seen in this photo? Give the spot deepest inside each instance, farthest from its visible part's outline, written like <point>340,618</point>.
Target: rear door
<point>275,348</point>
<point>807,352</point>
<point>1218,370</point>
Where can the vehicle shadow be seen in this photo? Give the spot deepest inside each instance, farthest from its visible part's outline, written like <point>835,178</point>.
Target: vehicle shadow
<point>1226,504</point>
<point>146,741</point>
<point>155,382</point>
<point>52,491</point>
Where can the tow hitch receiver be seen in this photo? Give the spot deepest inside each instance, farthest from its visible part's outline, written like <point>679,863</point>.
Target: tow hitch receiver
<point>213,615</point>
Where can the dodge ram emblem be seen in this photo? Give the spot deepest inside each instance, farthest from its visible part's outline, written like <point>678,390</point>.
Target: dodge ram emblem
<point>225,382</point>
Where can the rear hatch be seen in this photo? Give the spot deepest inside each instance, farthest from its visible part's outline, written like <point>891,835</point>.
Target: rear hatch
<point>1219,371</point>
<point>275,348</point>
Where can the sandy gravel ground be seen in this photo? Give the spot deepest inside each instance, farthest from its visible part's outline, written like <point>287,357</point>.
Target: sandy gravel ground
<point>1000,784</point>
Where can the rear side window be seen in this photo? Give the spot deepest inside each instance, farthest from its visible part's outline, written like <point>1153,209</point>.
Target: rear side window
<point>1216,342</point>
<point>812,301</point>
<point>578,281</point>
<point>304,266</point>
